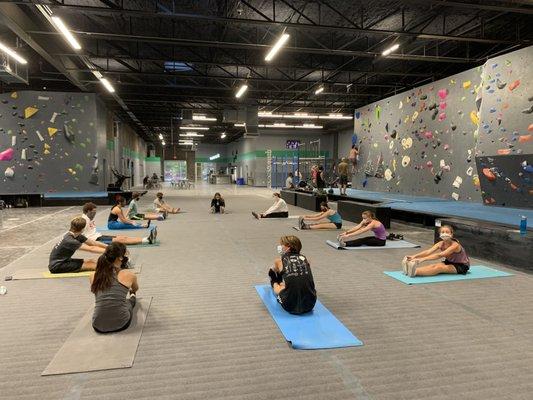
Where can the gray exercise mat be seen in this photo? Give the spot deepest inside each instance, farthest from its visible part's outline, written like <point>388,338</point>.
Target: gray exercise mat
<point>86,350</point>
<point>390,244</point>
<point>314,230</point>
<point>43,273</point>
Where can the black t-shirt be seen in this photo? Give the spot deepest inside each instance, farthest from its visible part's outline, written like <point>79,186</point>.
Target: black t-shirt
<point>217,204</point>
<point>299,295</point>
<point>320,181</point>
<point>64,250</point>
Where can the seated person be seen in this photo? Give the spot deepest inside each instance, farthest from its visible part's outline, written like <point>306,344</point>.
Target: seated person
<point>218,204</point>
<point>89,212</point>
<point>61,260</point>
<point>289,184</point>
<point>333,217</point>
<point>291,277</point>
<point>368,223</point>
<point>135,216</point>
<point>161,206</point>
<point>117,220</point>
<point>278,210</point>
<point>111,284</point>
<point>455,259</point>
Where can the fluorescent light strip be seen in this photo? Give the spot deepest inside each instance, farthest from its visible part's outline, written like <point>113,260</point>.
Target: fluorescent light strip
<point>240,124</point>
<point>214,157</point>
<point>223,135</point>
<point>279,44</point>
<point>285,126</point>
<point>303,116</point>
<point>160,137</point>
<point>66,33</point>
<point>203,118</point>
<point>12,54</point>
<point>107,85</point>
<point>241,91</point>
<point>319,90</point>
<point>191,134</point>
<point>394,47</point>
<point>194,128</point>
<point>163,144</point>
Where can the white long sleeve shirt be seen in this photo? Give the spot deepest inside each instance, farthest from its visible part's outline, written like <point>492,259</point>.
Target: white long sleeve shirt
<point>278,206</point>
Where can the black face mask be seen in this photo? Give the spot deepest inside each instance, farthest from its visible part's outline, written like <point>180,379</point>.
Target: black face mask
<point>124,263</point>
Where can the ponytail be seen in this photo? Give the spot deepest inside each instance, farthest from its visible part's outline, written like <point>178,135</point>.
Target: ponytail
<point>105,269</point>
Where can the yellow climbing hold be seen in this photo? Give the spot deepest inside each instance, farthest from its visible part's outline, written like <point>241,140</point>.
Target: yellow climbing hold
<point>474,118</point>
<point>46,151</point>
<point>467,84</point>
<point>52,131</point>
<point>14,95</point>
<point>47,146</point>
<point>29,112</point>
<point>415,116</point>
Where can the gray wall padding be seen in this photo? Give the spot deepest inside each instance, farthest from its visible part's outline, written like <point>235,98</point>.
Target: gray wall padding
<point>55,161</point>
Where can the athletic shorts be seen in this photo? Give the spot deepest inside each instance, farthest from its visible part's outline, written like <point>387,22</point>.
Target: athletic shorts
<point>461,269</point>
<point>105,239</point>
<point>338,225</point>
<point>343,180</point>
<point>71,265</point>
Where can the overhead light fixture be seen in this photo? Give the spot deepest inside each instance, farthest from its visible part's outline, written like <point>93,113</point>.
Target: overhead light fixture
<point>12,54</point>
<point>107,85</point>
<point>239,124</point>
<point>222,135</point>
<point>160,137</point>
<point>394,47</point>
<point>302,115</point>
<point>214,157</point>
<point>191,134</point>
<point>241,90</point>
<point>285,126</point>
<point>279,44</point>
<point>194,128</point>
<point>163,143</point>
<point>335,116</point>
<point>308,126</point>
<point>60,25</point>
<point>203,118</point>
<point>319,90</point>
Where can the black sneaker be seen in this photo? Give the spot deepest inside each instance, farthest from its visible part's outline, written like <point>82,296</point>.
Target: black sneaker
<point>256,216</point>
<point>148,224</point>
<point>154,231</point>
<point>151,237</point>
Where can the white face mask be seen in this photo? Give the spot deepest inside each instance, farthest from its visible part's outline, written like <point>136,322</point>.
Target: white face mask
<point>280,249</point>
<point>445,236</point>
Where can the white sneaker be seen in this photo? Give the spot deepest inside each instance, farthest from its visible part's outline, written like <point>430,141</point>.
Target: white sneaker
<point>411,268</point>
<point>404,265</point>
<point>342,243</point>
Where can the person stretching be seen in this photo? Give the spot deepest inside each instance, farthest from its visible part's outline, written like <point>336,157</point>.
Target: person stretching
<point>455,259</point>
<point>278,210</point>
<point>161,206</point>
<point>117,220</point>
<point>291,278</point>
<point>368,223</point>
<point>134,215</point>
<point>111,284</point>
<point>61,260</point>
<point>335,220</point>
<point>90,232</point>
<point>217,204</point>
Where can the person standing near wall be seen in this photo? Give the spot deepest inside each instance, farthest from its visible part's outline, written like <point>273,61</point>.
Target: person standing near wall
<point>342,168</point>
<point>354,153</point>
<point>320,181</point>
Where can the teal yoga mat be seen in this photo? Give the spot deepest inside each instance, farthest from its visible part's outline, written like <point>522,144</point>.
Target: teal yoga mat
<point>475,272</point>
<point>106,229</point>
<point>318,329</point>
<point>389,244</point>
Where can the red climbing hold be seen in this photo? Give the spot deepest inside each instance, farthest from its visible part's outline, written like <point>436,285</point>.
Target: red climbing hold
<point>489,174</point>
<point>514,85</point>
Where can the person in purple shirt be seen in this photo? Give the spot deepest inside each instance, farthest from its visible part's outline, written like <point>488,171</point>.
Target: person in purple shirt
<point>455,259</point>
<point>368,223</point>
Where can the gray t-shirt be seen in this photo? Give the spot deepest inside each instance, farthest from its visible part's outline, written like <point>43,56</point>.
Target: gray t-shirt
<point>64,250</point>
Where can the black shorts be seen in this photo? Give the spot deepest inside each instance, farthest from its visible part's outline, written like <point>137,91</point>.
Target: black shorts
<point>105,239</point>
<point>72,265</point>
<point>343,180</point>
<point>338,225</point>
<point>461,269</point>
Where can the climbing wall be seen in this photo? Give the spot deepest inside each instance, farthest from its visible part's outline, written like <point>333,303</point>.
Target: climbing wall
<point>49,143</point>
<point>505,146</point>
<point>422,142</point>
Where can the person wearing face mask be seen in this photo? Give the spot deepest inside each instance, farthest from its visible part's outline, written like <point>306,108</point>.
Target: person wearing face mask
<point>455,259</point>
<point>291,278</point>
<point>333,217</point>
<point>278,210</point>
<point>368,223</point>
<point>161,206</point>
<point>133,212</point>
<point>117,220</point>
<point>218,205</point>
<point>111,285</point>
<point>90,232</point>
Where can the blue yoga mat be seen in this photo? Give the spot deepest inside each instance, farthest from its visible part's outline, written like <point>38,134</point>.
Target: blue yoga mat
<point>105,229</point>
<point>475,272</point>
<point>318,329</point>
<point>389,244</point>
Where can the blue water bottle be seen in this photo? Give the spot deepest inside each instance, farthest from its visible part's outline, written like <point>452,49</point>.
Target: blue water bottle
<point>523,226</point>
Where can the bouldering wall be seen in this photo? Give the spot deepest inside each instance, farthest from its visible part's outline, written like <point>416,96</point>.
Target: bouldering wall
<point>504,154</point>
<point>421,142</point>
<point>49,143</point>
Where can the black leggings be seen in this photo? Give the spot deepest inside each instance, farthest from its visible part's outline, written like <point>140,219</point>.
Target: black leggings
<point>277,215</point>
<point>366,241</point>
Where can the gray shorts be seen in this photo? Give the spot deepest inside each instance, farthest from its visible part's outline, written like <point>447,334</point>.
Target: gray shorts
<point>71,265</point>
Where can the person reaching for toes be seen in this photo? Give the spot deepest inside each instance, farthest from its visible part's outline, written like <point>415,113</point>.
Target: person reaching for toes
<point>278,210</point>
<point>133,212</point>
<point>111,284</point>
<point>368,223</point>
<point>218,204</point>
<point>291,278</point>
<point>161,206</point>
<point>455,259</point>
<point>334,220</point>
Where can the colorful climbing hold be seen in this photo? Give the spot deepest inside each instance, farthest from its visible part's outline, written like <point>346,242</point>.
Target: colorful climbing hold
<point>467,84</point>
<point>443,93</point>
<point>9,172</point>
<point>474,117</point>
<point>7,155</point>
<point>52,131</point>
<point>489,174</point>
<point>514,85</point>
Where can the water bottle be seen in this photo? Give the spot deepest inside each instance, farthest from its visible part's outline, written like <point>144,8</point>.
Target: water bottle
<point>523,226</point>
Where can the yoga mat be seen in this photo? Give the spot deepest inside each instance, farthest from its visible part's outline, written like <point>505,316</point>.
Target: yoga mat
<point>389,244</point>
<point>315,230</point>
<point>86,350</point>
<point>25,274</point>
<point>318,329</point>
<point>104,228</point>
<point>157,243</point>
<point>475,272</point>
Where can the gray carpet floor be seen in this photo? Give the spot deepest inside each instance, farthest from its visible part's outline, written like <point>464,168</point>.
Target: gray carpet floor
<point>208,336</point>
